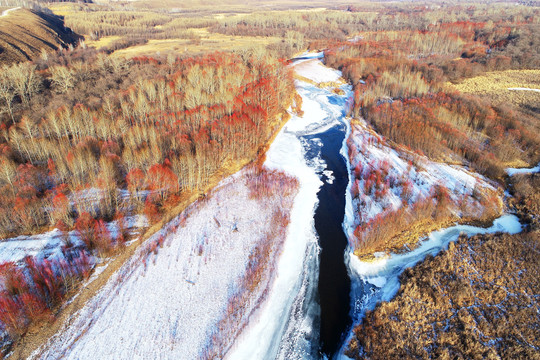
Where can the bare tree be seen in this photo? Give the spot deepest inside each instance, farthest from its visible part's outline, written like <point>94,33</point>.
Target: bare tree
<point>25,80</point>
<point>8,172</point>
<point>62,78</point>
<point>7,91</point>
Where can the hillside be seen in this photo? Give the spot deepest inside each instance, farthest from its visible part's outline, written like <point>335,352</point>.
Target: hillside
<point>24,33</point>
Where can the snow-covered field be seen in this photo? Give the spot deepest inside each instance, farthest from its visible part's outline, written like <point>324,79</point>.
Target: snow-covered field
<point>49,244</point>
<point>165,302</point>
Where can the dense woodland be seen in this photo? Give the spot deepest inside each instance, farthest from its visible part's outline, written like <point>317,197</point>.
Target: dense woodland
<point>145,131</point>
<point>399,80</point>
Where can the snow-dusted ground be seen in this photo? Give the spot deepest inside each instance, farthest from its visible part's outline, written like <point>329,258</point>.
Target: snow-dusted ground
<point>514,171</point>
<point>166,303</point>
<point>378,280</point>
<point>283,326</point>
<point>49,244</point>
<point>369,154</point>
<point>6,12</point>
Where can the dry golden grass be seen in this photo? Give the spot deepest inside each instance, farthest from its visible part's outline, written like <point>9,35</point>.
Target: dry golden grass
<point>103,42</point>
<point>495,86</point>
<point>24,33</point>
<point>205,42</point>
<point>229,6</point>
<point>63,8</point>
<point>477,300</point>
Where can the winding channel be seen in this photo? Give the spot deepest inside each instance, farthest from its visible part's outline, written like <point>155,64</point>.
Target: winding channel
<point>328,291</point>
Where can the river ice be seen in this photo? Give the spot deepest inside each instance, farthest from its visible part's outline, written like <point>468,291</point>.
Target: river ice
<point>514,171</point>
<point>283,327</point>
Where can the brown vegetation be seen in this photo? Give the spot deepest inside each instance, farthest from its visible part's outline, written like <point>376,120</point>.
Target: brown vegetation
<point>144,148</point>
<point>526,198</point>
<point>495,87</point>
<point>478,299</point>
<point>399,81</point>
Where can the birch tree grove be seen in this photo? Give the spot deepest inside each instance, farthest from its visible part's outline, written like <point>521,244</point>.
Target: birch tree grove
<point>178,122</point>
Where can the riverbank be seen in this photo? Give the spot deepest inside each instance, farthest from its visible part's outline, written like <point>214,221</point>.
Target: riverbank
<point>151,305</point>
<point>477,297</point>
<point>398,196</point>
<point>39,334</point>
<point>380,280</point>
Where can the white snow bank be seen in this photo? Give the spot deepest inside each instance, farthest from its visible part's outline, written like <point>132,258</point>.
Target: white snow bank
<point>16,249</point>
<point>317,72</point>
<point>524,89</point>
<point>514,171</point>
<point>260,338</point>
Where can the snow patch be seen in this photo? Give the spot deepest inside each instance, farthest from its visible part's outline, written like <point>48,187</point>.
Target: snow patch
<point>524,89</point>
<point>515,171</point>
<point>317,72</point>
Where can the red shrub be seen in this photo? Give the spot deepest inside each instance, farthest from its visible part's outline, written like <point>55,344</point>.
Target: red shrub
<point>86,227</point>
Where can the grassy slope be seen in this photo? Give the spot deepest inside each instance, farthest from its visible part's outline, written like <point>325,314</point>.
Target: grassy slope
<point>24,33</point>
